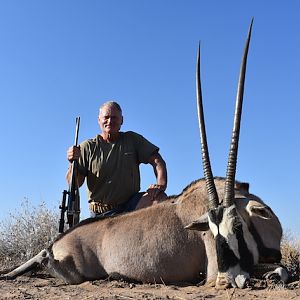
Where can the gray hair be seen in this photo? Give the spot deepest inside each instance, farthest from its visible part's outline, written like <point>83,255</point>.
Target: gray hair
<point>111,104</point>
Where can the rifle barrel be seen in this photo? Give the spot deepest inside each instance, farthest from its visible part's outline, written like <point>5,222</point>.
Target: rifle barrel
<point>77,131</point>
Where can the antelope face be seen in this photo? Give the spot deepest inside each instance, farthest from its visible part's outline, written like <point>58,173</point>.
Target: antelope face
<point>235,248</point>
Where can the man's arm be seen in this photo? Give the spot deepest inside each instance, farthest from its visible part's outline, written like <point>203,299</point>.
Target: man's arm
<point>160,171</point>
<point>80,178</point>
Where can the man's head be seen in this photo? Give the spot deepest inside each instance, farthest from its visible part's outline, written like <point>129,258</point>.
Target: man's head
<point>110,117</point>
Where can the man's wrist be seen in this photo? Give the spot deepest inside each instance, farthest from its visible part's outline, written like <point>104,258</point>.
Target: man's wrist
<point>162,187</point>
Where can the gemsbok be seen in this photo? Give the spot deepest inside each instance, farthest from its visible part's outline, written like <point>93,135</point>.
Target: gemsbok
<point>235,233</point>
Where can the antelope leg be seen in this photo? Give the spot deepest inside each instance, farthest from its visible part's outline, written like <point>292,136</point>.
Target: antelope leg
<point>27,266</point>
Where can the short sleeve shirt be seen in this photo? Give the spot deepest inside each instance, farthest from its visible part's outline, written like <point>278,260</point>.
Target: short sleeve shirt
<point>112,169</point>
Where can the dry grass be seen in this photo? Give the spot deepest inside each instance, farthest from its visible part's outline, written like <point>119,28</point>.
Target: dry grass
<point>290,249</point>
<point>25,233</point>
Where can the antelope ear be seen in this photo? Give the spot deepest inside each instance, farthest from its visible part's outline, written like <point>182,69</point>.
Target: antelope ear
<point>200,224</point>
<point>259,210</point>
<point>242,186</point>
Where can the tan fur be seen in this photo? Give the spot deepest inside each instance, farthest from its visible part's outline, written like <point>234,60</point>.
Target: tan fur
<point>151,244</point>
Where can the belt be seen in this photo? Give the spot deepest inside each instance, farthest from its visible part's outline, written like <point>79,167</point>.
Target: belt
<point>100,208</point>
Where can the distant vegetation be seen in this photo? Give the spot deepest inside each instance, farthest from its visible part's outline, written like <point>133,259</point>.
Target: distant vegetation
<point>290,249</point>
<point>30,229</point>
<point>25,233</point>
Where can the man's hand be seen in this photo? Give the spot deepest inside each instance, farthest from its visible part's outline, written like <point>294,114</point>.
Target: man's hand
<point>73,153</point>
<point>154,190</point>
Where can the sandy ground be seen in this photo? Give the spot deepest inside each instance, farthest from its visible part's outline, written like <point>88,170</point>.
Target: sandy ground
<point>42,286</point>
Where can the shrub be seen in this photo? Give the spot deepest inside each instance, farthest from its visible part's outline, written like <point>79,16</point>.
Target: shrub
<point>290,250</point>
<point>25,233</point>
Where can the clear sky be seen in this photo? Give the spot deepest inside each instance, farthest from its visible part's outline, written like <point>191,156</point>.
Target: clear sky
<point>62,59</point>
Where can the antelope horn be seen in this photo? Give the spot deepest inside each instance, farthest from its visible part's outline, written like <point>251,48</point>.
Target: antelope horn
<point>232,159</point>
<point>209,179</point>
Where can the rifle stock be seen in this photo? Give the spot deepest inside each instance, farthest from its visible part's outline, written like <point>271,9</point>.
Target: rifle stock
<point>73,204</point>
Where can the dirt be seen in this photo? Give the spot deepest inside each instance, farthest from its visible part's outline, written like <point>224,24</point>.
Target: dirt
<point>42,286</point>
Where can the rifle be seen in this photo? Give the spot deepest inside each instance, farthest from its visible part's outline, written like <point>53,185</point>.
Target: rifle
<point>73,204</point>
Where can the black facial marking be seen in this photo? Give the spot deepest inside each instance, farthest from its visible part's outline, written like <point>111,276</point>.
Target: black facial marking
<point>246,257</point>
<point>216,215</point>
<point>266,255</point>
<point>225,256</point>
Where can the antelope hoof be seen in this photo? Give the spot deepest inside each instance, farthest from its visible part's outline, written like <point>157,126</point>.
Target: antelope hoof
<point>222,283</point>
<point>279,274</point>
<point>6,277</point>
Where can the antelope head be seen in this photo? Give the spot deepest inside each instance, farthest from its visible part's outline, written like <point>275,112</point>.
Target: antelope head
<point>235,247</point>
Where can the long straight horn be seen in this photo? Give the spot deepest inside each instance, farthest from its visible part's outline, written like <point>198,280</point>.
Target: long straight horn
<point>232,159</point>
<point>209,179</point>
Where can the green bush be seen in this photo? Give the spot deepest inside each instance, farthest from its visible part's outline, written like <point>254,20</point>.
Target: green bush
<point>25,233</point>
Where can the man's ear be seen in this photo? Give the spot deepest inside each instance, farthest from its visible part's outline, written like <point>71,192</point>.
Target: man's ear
<point>200,224</point>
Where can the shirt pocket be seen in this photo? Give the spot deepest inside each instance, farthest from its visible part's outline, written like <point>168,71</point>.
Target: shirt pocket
<point>129,159</point>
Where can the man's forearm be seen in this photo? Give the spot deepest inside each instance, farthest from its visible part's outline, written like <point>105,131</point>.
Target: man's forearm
<point>160,170</point>
<point>79,178</point>
<point>161,175</point>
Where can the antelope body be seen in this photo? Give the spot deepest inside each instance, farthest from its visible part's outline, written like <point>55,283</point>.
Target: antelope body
<point>152,245</point>
<point>235,232</point>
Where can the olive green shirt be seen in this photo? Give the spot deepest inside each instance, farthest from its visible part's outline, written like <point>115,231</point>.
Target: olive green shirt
<point>112,169</point>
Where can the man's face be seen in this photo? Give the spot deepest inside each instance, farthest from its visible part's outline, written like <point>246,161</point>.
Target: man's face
<point>110,120</point>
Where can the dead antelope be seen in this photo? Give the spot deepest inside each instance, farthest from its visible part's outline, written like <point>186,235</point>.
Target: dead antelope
<point>237,231</point>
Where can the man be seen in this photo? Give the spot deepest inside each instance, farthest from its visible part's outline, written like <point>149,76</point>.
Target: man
<point>110,163</point>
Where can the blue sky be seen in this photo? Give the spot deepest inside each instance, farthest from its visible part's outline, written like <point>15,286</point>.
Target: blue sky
<point>62,59</point>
